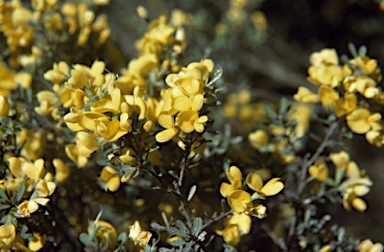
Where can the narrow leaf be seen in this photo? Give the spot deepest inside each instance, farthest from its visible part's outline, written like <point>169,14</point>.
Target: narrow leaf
<point>4,206</point>
<point>181,225</point>
<point>197,223</point>
<point>177,232</point>
<point>178,243</point>
<point>84,238</point>
<point>352,49</point>
<point>20,192</point>
<point>3,196</point>
<point>362,50</point>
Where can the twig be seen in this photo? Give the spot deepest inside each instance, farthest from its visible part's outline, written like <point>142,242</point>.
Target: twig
<point>310,161</point>
<point>274,238</point>
<point>212,220</point>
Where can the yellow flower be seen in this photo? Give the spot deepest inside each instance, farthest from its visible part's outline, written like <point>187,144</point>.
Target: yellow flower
<point>368,246</point>
<point>326,248</point>
<point>72,153</point>
<point>361,121</point>
<point>59,73</point>
<point>302,116</point>
<point>34,170</point>
<point>258,139</point>
<point>138,236</point>
<point>319,170</point>
<point>25,209</point>
<point>328,75</point>
<point>375,137</point>
<point>259,20</point>
<point>106,232</point>
<point>259,211</point>
<point>340,160</point>
<point>350,199</point>
<point>116,129</point>
<point>326,56</point>
<point>61,170</point>
<point>235,178</point>
<point>362,84</point>
<point>86,143</point>
<point>272,187</point>
<point>166,120</point>
<point>365,64</point>
<point>24,79</point>
<point>328,96</point>
<point>7,234</point>
<point>37,242</point>
<point>231,234</point>
<point>7,79</point>
<point>345,106</point>
<point>4,106</point>
<point>189,121</point>
<point>305,95</point>
<point>239,200</point>
<point>110,180</point>
<point>46,99</point>
<point>243,221</point>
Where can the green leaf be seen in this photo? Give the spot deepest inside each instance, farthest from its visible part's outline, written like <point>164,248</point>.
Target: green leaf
<point>352,49</point>
<point>177,232</point>
<point>84,238</point>
<point>20,192</point>
<point>362,50</point>
<point>188,246</point>
<point>197,223</point>
<point>284,105</point>
<point>3,196</point>
<point>4,206</point>
<point>178,243</point>
<point>270,112</point>
<point>122,237</point>
<point>182,227</point>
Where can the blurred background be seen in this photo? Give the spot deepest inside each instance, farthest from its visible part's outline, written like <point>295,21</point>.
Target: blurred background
<point>264,47</point>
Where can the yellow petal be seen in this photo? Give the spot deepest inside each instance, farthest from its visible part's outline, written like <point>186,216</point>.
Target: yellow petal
<point>359,204</point>
<point>166,120</point>
<point>234,174</point>
<point>238,200</point>
<point>113,184</point>
<point>186,119</point>
<point>254,181</point>
<point>272,187</point>
<point>7,233</point>
<point>166,135</point>
<point>182,103</point>
<point>243,221</point>
<point>357,120</point>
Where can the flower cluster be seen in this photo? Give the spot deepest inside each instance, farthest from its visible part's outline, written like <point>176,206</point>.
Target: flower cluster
<point>185,98</point>
<point>350,90</point>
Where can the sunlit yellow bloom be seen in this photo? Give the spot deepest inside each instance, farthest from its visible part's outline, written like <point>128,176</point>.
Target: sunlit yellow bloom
<point>24,79</point>
<point>365,64</point>
<point>34,170</point>
<point>7,79</point>
<point>110,179</point>
<point>137,235</point>
<point>258,139</point>
<point>86,143</point>
<point>25,209</point>
<point>361,121</point>
<point>4,106</point>
<point>319,170</point>
<point>302,116</point>
<point>61,170</point>
<point>47,100</point>
<point>259,211</point>
<point>72,153</point>
<point>231,234</point>
<point>345,106</point>
<point>326,56</point>
<point>368,246</point>
<point>305,95</point>
<point>235,178</point>
<point>106,232</point>
<point>329,75</point>
<point>37,242</point>
<point>328,96</point>
<point>340,160</point>
<point>239,200</point>
<point>350,199</point>
<point>189,121</point>
<point>59,73</point>
<point>243,221</point>
<point>272,187</point>
<point>361,84</point>
<point>166,120</point>
<point>375,137</point>
<point>7,234</point>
